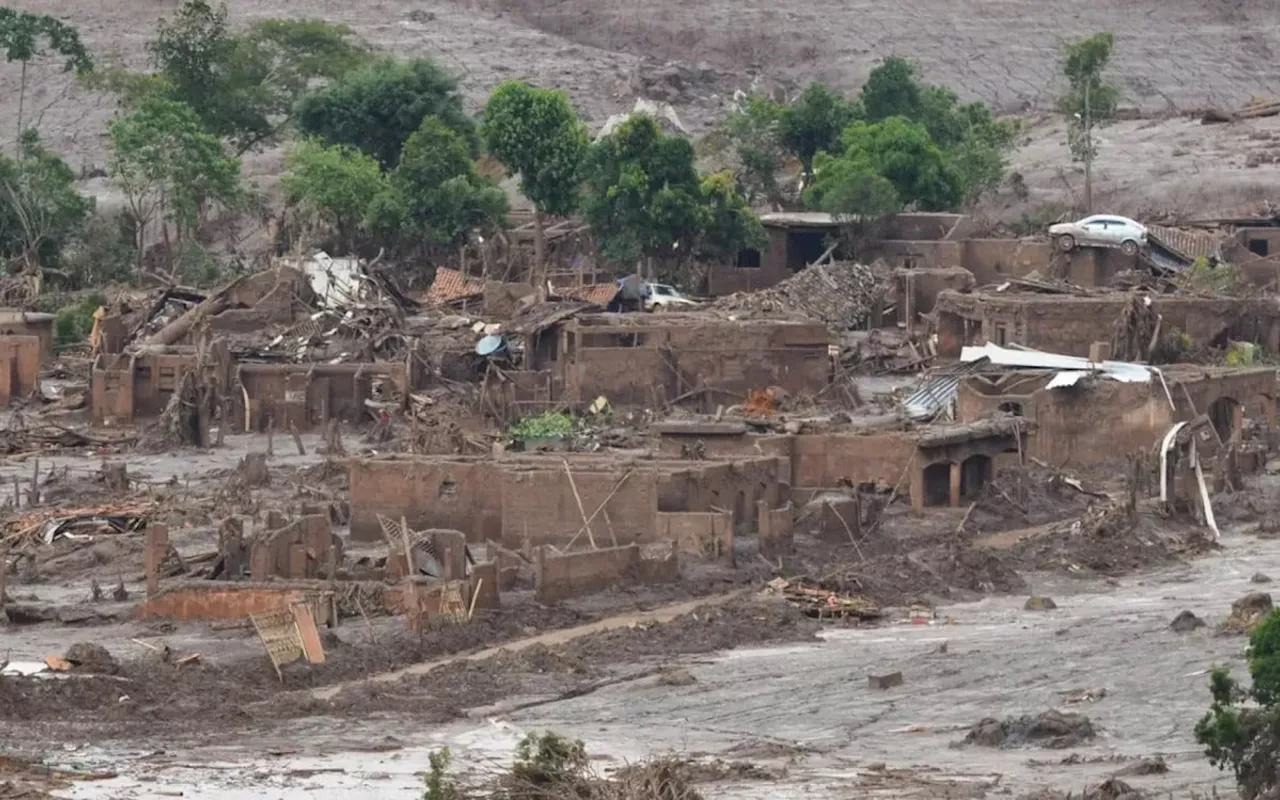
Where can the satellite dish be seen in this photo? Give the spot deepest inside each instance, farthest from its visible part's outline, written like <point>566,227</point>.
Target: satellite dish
<point>490,345</point>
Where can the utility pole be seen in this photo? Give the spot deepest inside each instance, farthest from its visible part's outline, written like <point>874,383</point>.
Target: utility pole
<point>1088,150</point>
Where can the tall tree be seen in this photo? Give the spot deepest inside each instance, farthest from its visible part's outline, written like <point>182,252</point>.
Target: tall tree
<point>753,128</point>
<point>25,36</point>
<point>437,191</point>
<point>728,224</point>
<point>536,133</point>
<point>899,151</point>
<point>643,198</point>
<point>378,107</point>
<point>814,122</point>
<point>168,165</point>
<point>336,186</point>
<point>40,209</point>
<point>243,84</point>
<point>1090,100</point>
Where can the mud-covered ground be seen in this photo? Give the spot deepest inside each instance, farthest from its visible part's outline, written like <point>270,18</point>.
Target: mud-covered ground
<point>791,699</point>
<point>1030,532</point>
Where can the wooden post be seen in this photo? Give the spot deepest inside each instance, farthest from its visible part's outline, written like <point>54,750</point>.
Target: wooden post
<point>955,484</point>
<point>157,545</point>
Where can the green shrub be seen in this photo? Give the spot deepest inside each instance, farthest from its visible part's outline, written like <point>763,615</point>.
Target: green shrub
<point>73,324</point>
<point>548,425</point>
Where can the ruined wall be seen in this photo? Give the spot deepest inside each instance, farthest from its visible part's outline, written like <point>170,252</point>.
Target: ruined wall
<point>734,487</point>
<point>926,225</point>
<point>428,493</point>
<point>917,254</point>
<point>128,387</point>
<point>1069,325</point>
<point>300,550</point>
<point>918,289</point>
<point>993,260</point>
<point>827,459</point>
<point>20,358</point>
<point>539,506</point>
<point>560,577</point>
<point>15,322</point>
<point>776,527</point>
<point>309,395</point>
<point>674,441</point>
<point>705,535</point>
<point>643,364</point>
<point>725,279</point>
<point>217,600</point>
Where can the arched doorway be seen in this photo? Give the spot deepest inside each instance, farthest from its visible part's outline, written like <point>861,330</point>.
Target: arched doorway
<point>975,474</point>
<point>1224,413</point>
<point>937,484</point>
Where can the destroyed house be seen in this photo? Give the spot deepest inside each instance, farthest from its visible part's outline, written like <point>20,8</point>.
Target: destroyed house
<point>1083,413</point>
<point>649,360</point>
<point>1070,323</point>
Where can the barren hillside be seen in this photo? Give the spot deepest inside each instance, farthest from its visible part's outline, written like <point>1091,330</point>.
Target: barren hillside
<point>1173,56</point>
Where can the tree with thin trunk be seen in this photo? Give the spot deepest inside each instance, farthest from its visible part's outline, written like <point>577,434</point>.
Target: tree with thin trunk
<point>25,36</point>
<point>536,133</point>
<point>1090,100</point>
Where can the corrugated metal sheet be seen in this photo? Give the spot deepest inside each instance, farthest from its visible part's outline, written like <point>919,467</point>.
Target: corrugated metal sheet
<point>1121,371</point>
<point>938,392</point>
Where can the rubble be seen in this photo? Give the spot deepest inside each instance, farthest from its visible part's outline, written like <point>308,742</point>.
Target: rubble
<point>1035,603</point>
<point>1052,729</point>
<point>842,295</point>
<point>821,603</point>
<point>1186,622</point>
<point>1247,612</point>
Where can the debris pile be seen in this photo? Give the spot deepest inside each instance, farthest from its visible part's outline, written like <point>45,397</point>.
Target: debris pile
<point>1247,612</point>
<point>842,295</point>
<point>822,603</point>
<point>1052,729</point>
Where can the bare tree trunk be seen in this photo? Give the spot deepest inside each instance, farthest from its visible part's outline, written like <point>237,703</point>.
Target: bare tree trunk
<point>22,96</point>
<point>539,253</point>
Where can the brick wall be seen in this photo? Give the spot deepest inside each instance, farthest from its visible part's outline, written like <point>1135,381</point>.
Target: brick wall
<point>776,526</point>
<point>300,550</point>
<point>309,395</point>
<point>702,534</point>
<point>538,506</point>
<point>19,366</point>
<point>217,600</point>
<point>560,577</point>
<point>460,495</point>
<point>824,459</point>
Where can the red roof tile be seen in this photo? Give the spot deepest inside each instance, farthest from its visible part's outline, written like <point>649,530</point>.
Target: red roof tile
<point>451,285</point>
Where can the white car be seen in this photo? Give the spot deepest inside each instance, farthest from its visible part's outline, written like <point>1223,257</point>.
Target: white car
<point>662,297</point>
<point>1100,230</point>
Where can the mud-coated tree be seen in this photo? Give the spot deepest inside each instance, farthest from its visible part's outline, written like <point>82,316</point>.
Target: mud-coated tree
<point>25,37</point>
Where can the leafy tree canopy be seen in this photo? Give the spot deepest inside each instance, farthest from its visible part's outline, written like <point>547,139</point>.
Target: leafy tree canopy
<point>336,186</point>
<point>40,209</point>
<point>243,85</point>
<point>25,36</point>
<point>901,152</point>
<point>437,191</point>
<point>1241,731</point>
<point>165,161</point>
<point>643,197</point>
<point>728,222</point>
<point>536,133</point>
<point>378,107</point>
<point>814,122</point>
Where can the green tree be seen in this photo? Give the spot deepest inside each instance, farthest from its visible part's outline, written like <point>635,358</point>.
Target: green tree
<point>336,186</point>
<point>1090,100</point>
<point>754,128</point>
<point>901,152</point>
<point>25,36</point>
<point>859,198</point>
<point>536,133</point>
<point>40,209</point>
<point>243,85</point>
<point>643,197</point>
<point>436,189</point>
<point>813,124</point>
<point>168,165</point>
<point>1242,728</point>
<point>729,225</point>
<point>974,141</point>
<point>378,107</point>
